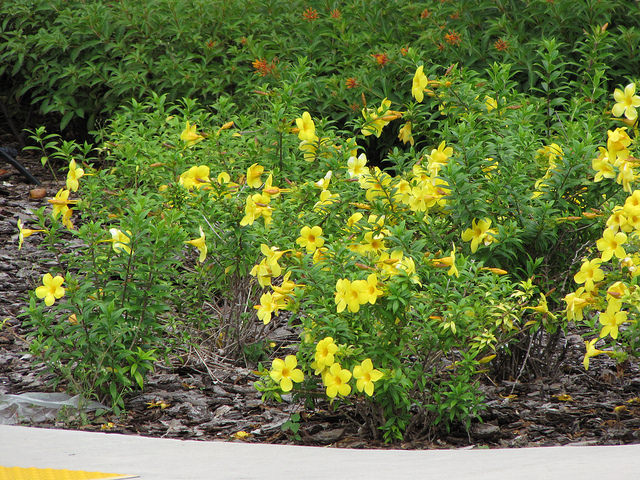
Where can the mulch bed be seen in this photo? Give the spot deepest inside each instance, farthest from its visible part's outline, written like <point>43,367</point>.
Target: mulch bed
<point>211,398</point>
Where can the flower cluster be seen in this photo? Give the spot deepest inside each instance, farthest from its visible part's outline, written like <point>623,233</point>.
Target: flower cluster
<point>616,264</point>
<point>335,378</point>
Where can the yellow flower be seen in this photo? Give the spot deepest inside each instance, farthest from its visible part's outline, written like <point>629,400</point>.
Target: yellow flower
<point>626,176</point>
<point>611,319</point>
<point>324,356</point>
<point>324,182</point>
<point>576,301</point>
<point>119,240</point>
<point>200,244</point>
<point>592,351</point>
<point>257,206</point>
<point>268,305</point>
<point>372,243</point>
<point>353,219</point>
<point>449,261</point>
<point>376,120</point>
<point>254,172</point>
<point>285,372</point>
<point>369,289</point>
<point>326,200</point>
<point>602,166</point>
<point>73,175</point>
<point>611,244</point>
<point>589,273</point>
<point>61,202</point>
<point>310,238</point>
<point>365,376</point>
<point>627,102</point>
<point>420,82</point>
<point>189,135</point>
<point>616,291</point>
<point>336,381</point>
<point>272,190</point>
<point>542,307</point>
<point>272,256</point>
<point>263,273</point>
<point>405,134</point>
<point>422,197</point>
<point>24,233</point>
<point>350,295</point>
<point>196,176</point>
<point>490,103</point>
<point>477,233</point>
<point>51,289</point>
<point>306,128</point>
<point>66,218</point>
<point>617,142</point>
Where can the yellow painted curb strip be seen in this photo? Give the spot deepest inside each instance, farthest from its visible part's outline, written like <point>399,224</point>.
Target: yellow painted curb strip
<point>18,473</point>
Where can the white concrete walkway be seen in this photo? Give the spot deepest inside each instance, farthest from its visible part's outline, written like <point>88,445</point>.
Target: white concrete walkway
<point>164,459</point>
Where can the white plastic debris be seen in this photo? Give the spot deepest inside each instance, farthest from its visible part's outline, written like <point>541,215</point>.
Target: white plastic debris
<point>40,407</point>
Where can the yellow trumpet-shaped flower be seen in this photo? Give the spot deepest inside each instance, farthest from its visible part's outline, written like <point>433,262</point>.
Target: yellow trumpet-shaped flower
<point>306,128</point>
<point>405,134</point>
<point>190,136</point>
<point>73,175</point>
<point>366,376</point>
<point>592,351</point>
<point>590,273</point>
<point>254,174</point>
<point>479,232</point>
<point>350,295</point>
<point>420,82</point>
<point>449,261</point>
<point>310,238</point>
<point>325,354</point>
<point>611,319</point>
<point>51,289</point>
<point>285,372</point>
<point>120,240</point>
<point>336,380</point>
<point>357,166</point>
<point>61,202</point>
<point>195,177</point>
<point>268,305</point>
<point>576,302</point>
<point>201,244</point>
<point>24,233</point>
<point>626,102</point>
<point>611,244</point>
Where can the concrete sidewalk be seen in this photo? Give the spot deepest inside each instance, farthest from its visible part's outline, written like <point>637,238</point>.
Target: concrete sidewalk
<point>164,459</point>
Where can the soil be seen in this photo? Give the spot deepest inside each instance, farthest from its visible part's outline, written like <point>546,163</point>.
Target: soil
<point>212,398</point>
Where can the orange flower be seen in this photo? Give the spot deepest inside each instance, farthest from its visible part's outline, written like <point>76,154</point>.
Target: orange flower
<point>351,82</point>
<point>381,58</point>
<point>501,45</point>
<point>452,38</point>
<point>335,13</point>
<point>310,14</point>
<point>425,13</point>
<point>262,67</point>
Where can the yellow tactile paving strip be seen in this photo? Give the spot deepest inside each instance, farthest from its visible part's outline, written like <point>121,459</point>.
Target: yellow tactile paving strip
<point>18,473</point>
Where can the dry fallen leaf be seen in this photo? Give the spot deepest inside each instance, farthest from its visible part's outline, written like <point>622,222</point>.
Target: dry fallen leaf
<point>564,397</point>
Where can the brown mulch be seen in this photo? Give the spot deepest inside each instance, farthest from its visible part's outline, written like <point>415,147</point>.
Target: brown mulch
<point>211,398</point>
